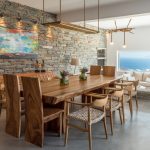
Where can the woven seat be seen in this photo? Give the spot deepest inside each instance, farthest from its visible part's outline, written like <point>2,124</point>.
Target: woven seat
<point>89,113</point>
<point>134,93</point>
<point>82,115</point>
<point>115,105</point>
<point>130,91</point>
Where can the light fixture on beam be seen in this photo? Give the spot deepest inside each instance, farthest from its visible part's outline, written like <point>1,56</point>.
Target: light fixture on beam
<point>71,26</point>
<point>124,30</point>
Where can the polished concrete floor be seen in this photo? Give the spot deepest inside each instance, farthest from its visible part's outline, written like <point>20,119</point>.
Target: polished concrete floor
<point>133,135</point>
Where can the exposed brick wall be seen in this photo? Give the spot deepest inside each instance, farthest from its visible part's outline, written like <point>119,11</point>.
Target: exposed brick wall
<point>65,43</point>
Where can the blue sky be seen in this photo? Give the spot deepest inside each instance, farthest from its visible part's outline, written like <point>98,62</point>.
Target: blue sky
<point>134,54</point>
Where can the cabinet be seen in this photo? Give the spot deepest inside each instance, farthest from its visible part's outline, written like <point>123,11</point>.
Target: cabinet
<point>101,56</point>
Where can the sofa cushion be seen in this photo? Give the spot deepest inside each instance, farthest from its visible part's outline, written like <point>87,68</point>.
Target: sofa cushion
<point>131,78</point>
<point>145,84</point>
<point>146,75</point>
<point>138,75</point>
<point>127,76</point>
<point>147,80</point>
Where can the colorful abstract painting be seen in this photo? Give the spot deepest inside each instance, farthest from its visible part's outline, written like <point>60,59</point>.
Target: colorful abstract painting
<point>15,43</point>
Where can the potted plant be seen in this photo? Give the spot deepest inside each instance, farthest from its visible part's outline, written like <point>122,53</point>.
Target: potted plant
<point>83,75</point>
<point>64,79</point>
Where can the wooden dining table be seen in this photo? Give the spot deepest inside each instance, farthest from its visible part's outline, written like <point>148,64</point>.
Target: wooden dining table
<point>54,93</point>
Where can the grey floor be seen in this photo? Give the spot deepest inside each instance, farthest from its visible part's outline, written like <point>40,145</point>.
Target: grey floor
<point>134,135</point>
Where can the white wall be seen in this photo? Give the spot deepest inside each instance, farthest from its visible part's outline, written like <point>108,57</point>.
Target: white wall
<point>127,8</point>
<point>140,40</point>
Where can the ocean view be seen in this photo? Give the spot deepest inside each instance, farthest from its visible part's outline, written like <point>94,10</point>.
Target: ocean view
<point>134,60</point>
<point>134,63</point>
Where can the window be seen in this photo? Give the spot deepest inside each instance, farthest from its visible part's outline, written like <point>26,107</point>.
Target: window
<point>134,60</point>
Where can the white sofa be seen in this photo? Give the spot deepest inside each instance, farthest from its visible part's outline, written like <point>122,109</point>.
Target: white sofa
<point>143,77</point>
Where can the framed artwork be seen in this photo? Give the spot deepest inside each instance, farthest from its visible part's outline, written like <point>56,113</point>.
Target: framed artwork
<point>16,43</point>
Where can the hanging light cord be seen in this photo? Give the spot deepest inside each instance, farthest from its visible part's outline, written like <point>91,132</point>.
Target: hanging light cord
<point>98,14</point>
<point>124,38</point>
<point>43,9</point>
<point>60,10</point>
<point>84,14</point>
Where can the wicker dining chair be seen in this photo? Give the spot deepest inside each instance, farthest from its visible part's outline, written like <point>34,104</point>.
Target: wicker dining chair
<point>134,90</point>
<point>89,114</point>
<point>129,92</point>
<point>116,102</point>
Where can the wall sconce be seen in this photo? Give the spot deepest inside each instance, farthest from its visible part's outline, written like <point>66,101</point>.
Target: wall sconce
<point>1,15</point>
<point>111,41</point>
<point>2,21</point>
<point>49,32</point>
<point>19,23</point>
<point>35,27</point>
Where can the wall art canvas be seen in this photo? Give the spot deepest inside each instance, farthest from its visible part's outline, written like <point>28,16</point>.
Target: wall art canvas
<point>16,43</point>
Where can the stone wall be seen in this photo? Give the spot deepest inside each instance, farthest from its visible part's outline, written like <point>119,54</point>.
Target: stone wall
<point>57,50</point>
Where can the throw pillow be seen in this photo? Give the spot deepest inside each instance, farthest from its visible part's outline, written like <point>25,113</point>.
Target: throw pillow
<point>138,75</point>
<point>131,78</point>
<point>146,75</point>
<point>126,76</point>
<point>147,80</point>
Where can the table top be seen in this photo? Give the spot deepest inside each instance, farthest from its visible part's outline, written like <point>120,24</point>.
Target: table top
<point>53,92</point>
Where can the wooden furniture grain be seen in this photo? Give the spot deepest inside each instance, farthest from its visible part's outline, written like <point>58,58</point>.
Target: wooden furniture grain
<point>43,76</point>
<point>109,71</point>
<point>128,93</point>
<point>2,94</point>
<point>88,114</point>
<point>95,70</point>
<point>116,102</point>
<point>133,91</point>
<point>53,93</point>
<point>36,115</point>
<point>13,105</point>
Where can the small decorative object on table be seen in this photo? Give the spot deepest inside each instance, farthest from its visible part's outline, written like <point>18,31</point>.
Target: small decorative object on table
<point>83,75</point>
<point>64,80</point>
<point>39,66</point>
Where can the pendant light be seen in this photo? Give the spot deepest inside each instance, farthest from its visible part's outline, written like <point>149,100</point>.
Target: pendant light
<point>70,26</point>
<point>124,44</point>
<point>111,40</point>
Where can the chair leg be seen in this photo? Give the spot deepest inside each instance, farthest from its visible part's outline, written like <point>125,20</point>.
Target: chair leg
<point>0,108</point>
<point>60,124</point>
<point>130,107</point>
<point>105,127</point>
<point>66,133</point>
<point>120,115</point>
<point>137,105</point>
<point>123,113</point>
<point>111,122</point>
<point>90,137</point>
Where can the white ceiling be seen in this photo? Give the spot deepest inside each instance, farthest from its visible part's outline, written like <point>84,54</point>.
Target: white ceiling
<point>137,21</point>
<point>67,5</point>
